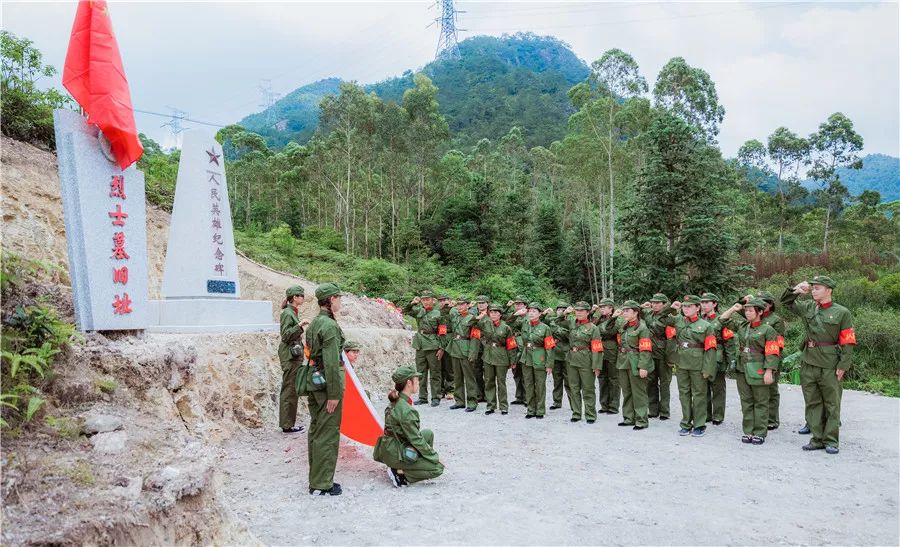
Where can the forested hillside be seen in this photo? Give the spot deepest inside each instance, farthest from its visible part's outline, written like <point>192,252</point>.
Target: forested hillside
<point>497,83</point>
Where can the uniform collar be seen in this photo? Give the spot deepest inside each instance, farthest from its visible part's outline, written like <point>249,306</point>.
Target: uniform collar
<point>756,323</point>
<point>712,315</point>
<point>464,313</point>
<point>581,321</point>
<point>766,314</point>
<point>692,319</point>
<point>409,400</point>
<point>428,308</point>
<point>326,311</point>
<point>535,322</point>
<point>632,323</point>
<point>496,323</point>
<point>826,305</point>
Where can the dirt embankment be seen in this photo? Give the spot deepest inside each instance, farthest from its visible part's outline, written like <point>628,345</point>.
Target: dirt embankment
<point>126,450</point>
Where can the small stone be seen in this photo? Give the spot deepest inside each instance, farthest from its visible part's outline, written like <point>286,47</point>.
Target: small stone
<point>101,423</point>
<point>109,443</point>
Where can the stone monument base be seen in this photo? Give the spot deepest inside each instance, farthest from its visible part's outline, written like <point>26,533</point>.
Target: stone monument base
<point>189,315</point>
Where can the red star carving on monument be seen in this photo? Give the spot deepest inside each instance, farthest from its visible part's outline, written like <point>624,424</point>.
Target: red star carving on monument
<point>213,157</point>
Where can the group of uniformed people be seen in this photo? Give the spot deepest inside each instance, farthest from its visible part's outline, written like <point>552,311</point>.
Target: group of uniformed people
<point>467,348</point>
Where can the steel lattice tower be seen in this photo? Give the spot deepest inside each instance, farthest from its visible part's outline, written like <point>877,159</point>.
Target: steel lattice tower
<point>448,43</point>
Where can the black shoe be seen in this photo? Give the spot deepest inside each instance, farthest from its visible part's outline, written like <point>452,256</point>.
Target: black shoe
<point>529,416</point>
<point>624,424</point>
<point>747,439</point>
<point>663,418</point>
<point>296,429</point>
<point>482,400</point>
<point>772,427</point>
<point>540,417</point>
<point>393,477</point>
<point>472,409</point>
<point>555,407</point>
<point>421,402</point>
<point>518,402</point>
<point>591,421</point>
<point>488,412</point>
<point>708,420</point>
<point>573,419</point>
<point>639,427</point>
<point>457,406</point>
<point>698,432</point>
<point>653,416</point>
<point>804,430</point>
<point>717,422</point>
<point>503,413</point>
<point>335,490</point>
<point>436,403</point>
<point>757,440</point>
<point>832,449</point>
<point>812,446</point>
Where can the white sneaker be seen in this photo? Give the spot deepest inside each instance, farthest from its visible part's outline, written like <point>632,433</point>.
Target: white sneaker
<point>392,475</point>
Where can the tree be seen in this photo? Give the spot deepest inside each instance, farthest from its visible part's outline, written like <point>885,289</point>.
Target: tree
<point>787,152</point>
<point>690,94</point>
<point>427,128</point>
<point>836,144</point>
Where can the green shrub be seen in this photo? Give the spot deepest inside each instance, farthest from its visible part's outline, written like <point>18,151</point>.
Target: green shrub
<point>282,240</point>
<point>325,237</point>
<point>890,283</point>
<point>379,278</point>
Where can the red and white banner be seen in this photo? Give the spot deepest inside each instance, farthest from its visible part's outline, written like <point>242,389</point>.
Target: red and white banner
<point>359,420</point>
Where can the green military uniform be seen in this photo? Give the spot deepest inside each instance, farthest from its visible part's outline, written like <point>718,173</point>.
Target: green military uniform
<point>291,337</point>
<point>757,350</point>
<point>635,353</point>
<point>447,378</point>
<point>463,351</point>
<point>401,431</point>
<point>776,322</point>
<point>827,346</point>
<point>609,377</point>
<point>325,339</point>
<point>696,342</point>
<point>516,322</point>
<point>725,352</point>
<point>499,346</point>
<point>561,335</point>
<point>660,380</point>
<point>535,359</point>
<point>479,362</point>
<point>584,357</point>
<point>427,341</point>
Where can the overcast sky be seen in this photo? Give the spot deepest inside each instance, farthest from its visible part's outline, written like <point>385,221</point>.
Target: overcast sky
<point>774,64</point>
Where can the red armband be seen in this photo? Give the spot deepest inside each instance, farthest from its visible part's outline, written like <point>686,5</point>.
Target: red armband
<point>549,342</point>
<point>645,344</point>
<point>442,330</point>
<point>772,347</point>
<point>306,351</point>
<point>847,337</point>
<point>475,333</point>
<point>780,340</point>
<point>618,339</point>
<point>709,343</point>
<point>671,332</point>
<point>511,343</point>
<point>597,346</point>
<point>727,334</point>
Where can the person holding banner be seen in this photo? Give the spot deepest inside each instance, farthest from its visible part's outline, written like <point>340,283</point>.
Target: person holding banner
<point>290,353</point>
<point>407,450</point>
<point>326,391</point>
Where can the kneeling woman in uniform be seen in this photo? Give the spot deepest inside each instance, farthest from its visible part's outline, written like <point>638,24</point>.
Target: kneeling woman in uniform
<point>404,448</point>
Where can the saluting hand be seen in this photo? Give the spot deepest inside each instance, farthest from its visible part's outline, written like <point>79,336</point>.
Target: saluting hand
<point>645,305</point>
<point>617,313</point>
<point>737,307</point>
<point>415,300</point>
<point>801,288</point>
<point>569,310</point>
<point>521,312</point>
<point>747,298</point>
<point>676,305</point>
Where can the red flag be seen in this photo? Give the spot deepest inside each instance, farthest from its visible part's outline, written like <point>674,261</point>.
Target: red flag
<point>359,420</point>
<point>94,75</point>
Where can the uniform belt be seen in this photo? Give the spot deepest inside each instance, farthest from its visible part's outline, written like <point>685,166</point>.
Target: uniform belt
<point>659,338</point>
<point>608,338</point>
<point>623,349</point>
<point>685,345</point>
<point>494,344</point>
<point>577,348</point>
<point>423,332</point>
<point>460,337</point>
<point>529,345</point>
<point>747,349</point>
<point>815,344</point>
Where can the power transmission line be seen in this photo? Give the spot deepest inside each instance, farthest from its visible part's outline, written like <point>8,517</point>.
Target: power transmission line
<point>182,118</point>
<point>448,40</point>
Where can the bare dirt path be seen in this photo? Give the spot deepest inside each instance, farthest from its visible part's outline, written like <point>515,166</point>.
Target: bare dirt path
<point>516,481</point>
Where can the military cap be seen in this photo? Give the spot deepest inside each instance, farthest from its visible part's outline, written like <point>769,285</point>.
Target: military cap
<point>631,305</point>
<point>443,296</point>
<point>404,373</point>
<point>823,280</point>
<point>350,345</point>
<point>562,304</point>
<point>534,305</point>
<point>521,299</point>
<point>426,294</point>
<point>766,296</point>
<point>326,290</point>
<point>660,297</point>
<point>481,299</point>
<point>607,302</point>
<point>463,299</point>
<point>582,305</point>
<point>709,297</point>
<point>495,307</point>
<point>757,303</point>
<point>295,290</point>
<point>690,299</point>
